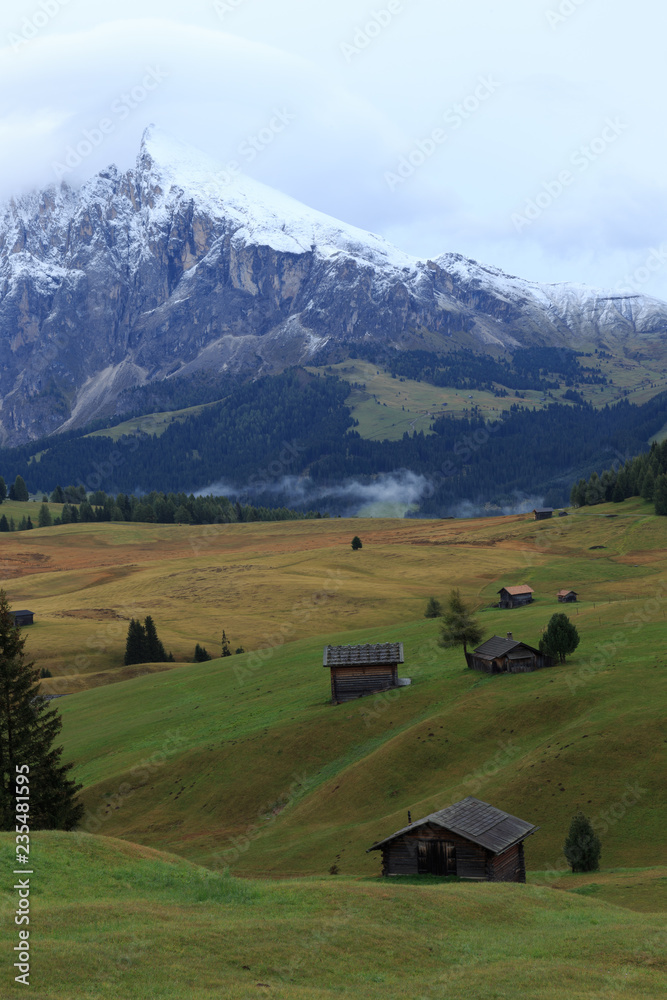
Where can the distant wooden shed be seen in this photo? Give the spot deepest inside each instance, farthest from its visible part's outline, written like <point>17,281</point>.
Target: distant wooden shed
<point>516,597</point>
<point>23,617</point>
<point>567,596</point>
<point>365,669</point>
<point>507,656</point>
<point>470,839</point>
<point>543,513</point>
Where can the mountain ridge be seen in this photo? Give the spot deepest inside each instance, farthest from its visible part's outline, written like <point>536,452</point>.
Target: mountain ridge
<point>167,270</point>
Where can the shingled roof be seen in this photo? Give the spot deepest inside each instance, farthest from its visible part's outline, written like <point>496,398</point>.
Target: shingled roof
<point>564,593</point>
<point>515,591</point>
<point>358,656</point>
<point>475,820</point>
<point>497,646</point>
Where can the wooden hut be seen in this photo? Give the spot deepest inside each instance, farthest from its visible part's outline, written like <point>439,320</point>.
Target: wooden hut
<point>507,656</point>
<point>470,839</point>
<point>543,513</point>
<point>23,617</point>
<point>567,596</point>
<point>360,670</point>
<point>516,597</point>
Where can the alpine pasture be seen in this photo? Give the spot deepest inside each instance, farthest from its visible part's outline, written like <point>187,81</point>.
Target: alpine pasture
<point>230,805</point>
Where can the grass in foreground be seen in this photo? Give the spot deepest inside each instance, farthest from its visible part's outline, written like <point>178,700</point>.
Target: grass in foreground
<point>112,920</point>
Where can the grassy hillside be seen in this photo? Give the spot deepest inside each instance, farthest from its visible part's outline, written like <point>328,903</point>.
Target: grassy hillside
<point>189,746</point>
<point>113,920</point>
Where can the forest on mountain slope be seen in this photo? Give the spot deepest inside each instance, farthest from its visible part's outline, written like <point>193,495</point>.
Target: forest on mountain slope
<point>297,424</point>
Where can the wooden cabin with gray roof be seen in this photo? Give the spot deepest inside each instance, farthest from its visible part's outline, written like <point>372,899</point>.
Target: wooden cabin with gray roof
<point>365,669</point>
<point>470,839</point>
<point>507,656</point>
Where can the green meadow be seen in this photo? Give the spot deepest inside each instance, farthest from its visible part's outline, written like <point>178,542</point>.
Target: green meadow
<point>230,806</point>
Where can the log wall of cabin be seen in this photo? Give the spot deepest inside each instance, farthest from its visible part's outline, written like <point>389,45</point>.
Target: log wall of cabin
<point>348,683</point>
<point>510,866</point>
<point>401,856</point>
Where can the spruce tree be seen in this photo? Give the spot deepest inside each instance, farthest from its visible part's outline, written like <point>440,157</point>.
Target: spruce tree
<point>459,627</point>
<point>661,494</point>
<point>582,847</point>
<point>20,489</point>
<point>201,654</point>
<point>433,608</point>
<point>58,495</point>
<point>154,651</point>
<point>4,523</point>
<point>226,648</point>
<point>357,543</point>
<point>135,645</point>
<point>45,520</point>
<point>3,489</point>
<point>28,730</point>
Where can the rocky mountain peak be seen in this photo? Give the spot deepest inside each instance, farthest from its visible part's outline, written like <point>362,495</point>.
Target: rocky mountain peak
<point>175,268</point>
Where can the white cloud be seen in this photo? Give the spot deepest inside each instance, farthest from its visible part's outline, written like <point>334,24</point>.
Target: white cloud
<point>356,118</point>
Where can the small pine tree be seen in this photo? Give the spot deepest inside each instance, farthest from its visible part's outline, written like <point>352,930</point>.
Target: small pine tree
<point>356,543</point>
<point>560,639</point>
<point>45,520</point>
<point>582,847</point>
<point>58,495</point>
<point>3,489</point>
<point>135,645</point>
<point>433,608</point>
<point>29,525</point>
<point>4,523</point>
<point>226,648</point>
<point>239,650</point>
<point>459,627</point>
<point>201,654</point>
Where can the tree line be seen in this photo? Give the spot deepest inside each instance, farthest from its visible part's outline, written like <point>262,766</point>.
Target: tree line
<point>642,476</point>
<point>262,438</point>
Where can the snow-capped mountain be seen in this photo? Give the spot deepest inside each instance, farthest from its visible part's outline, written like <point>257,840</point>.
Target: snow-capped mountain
<point>174,268</point>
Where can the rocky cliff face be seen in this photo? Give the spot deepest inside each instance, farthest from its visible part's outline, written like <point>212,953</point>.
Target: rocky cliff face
<point>168,269</point>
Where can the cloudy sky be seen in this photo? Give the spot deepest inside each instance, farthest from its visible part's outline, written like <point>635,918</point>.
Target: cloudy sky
<point>529,134</point>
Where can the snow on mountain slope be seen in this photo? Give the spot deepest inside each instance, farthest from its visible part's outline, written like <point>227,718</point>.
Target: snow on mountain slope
<point>176,268</point>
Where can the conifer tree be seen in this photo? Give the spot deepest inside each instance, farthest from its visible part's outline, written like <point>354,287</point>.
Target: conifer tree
<point>3,489</point>
<point>153,650</point>
<point>58,495</point>
<point>45,520</point>
<point>135,645</point>
<point>661,494</point>
<point>357,543</point>
<point>433,608</point>
<point>226,648</point>
<point>20,489</point>
<point>4,523</point>
<point>201,654</point>
<point>28,730</point>
<point>582,847</point>
<point>459,627</point>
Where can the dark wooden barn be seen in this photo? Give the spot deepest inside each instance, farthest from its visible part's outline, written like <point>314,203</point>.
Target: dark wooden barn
<point>516,597</point>
<point>507,656</point>
<point>470,839</point>
<point>360,670</point>
<point>543,513</point>
<point>567,596</point>
<point>24,617</point>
